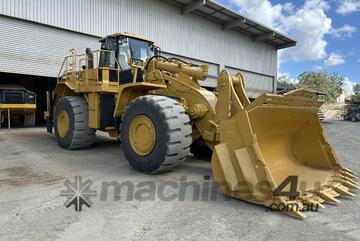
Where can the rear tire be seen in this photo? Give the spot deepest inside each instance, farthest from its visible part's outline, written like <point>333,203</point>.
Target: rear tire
<point>29,120</point>
<point>165,129</point>
<point>71,123</point>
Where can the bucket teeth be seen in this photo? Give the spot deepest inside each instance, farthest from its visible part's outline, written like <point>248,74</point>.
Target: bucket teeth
<point>317,199</point>
<point>347,193</point>
<point>349,180</point>
<point>349,184</point>
<point>348,174</point>
<point>330,198</point>
<point>321,205</point>
<point>294,209</point>
<point>312,200</point>
<point>346,181</point>
<point>297,214</point>
<point>312,203</point>
<point>341,189</point>
<point>349,171</point>
<point>329,195</point>
<point>353,185</point>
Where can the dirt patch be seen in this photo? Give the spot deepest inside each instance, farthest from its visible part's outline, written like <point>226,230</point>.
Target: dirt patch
<point>20,176</point>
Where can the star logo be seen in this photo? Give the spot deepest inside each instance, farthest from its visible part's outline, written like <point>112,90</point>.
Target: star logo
<point>78,193</point>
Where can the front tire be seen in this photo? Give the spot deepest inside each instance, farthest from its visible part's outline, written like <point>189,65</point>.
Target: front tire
<point>156,134</point>
<point>71,123</point>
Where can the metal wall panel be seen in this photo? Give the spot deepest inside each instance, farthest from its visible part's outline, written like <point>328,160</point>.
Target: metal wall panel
<point>188,35</point>
<point>34,49</point>
<point>255,84</point>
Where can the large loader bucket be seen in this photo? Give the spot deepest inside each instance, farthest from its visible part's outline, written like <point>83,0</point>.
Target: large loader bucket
<point>273,151</point>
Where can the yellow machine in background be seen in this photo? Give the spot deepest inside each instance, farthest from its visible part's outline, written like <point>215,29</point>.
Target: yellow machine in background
<point>158,109</point>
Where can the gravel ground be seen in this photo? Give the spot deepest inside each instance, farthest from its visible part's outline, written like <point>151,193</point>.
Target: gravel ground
<point>33,170</point>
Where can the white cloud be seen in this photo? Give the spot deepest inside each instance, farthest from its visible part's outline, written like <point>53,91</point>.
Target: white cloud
<point>348,86</point>
<point>344,32</point>
<point>260,10</point>
<point>334,59</point>
<point>288,77</point>
<point>348,6</point>
<point>284,75</point>
<point>308,25</point>
<point>289,8</point>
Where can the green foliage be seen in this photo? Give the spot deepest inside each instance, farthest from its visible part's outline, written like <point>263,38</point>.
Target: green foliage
<point>356,89</point>
<point>329,84</point>
<point>284,83</point>
<point>356,96</point>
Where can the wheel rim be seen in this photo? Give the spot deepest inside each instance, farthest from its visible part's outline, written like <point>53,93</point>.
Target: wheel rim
<point>63,123</point>
<point>142,135</point>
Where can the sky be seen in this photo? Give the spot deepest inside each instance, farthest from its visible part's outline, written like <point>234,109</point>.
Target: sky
<point>327,34</point>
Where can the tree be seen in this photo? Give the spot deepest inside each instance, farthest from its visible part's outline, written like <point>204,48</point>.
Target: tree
<point>329,84</point>
<point>356,96</point>
<point>284,83</point>
<point>356,89</point>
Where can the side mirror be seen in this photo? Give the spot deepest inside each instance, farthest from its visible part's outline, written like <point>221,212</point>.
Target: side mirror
<point>156,50</point>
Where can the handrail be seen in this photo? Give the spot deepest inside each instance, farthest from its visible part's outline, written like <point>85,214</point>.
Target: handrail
<point>77,67</point>
<point>62,67</point>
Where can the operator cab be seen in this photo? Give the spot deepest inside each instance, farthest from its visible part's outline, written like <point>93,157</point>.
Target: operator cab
<point>129,50</point>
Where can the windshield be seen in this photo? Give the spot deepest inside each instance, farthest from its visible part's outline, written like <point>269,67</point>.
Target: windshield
<point>140,50</point>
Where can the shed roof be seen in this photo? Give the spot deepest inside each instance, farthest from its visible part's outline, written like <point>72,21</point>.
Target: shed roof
<point>231,20</point>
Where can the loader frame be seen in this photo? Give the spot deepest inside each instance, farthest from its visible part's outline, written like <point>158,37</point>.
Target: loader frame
<point>266,141</point>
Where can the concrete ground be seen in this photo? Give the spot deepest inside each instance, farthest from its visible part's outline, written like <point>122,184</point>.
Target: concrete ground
<point>33,170</point>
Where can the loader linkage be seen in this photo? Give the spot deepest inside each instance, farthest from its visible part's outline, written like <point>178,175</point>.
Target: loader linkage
<point>157,108</point>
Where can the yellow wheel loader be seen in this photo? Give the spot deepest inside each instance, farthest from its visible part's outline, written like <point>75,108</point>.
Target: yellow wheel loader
<point>157,108</point>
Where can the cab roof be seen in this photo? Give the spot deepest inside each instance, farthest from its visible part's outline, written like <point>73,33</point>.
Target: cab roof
<point>127,35</point>
<point>14,87</point>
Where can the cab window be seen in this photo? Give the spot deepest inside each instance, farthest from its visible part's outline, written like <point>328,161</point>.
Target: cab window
<point>140,50</point>
<point>124,54</point>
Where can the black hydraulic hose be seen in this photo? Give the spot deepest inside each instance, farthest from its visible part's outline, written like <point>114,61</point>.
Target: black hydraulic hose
<point>168,59</point>
<point>183,61</point>
<point>155,57</point>
<point>173,58</point>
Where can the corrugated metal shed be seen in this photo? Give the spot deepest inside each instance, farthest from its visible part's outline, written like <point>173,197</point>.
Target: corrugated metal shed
<point>202,35</point>
<point>87,16</point>
<point>189,35</point>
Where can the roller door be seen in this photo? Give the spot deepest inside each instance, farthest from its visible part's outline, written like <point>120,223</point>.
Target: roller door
<point>34,49</point>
